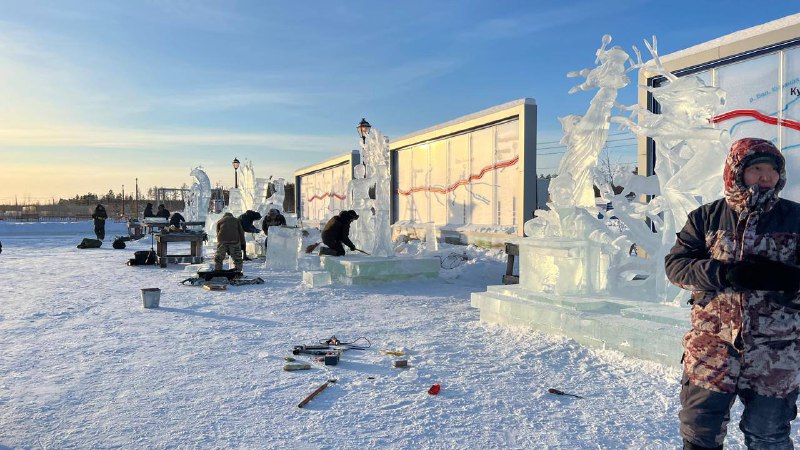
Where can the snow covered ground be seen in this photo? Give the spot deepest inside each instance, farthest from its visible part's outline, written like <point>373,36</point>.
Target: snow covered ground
<point>83,365</point>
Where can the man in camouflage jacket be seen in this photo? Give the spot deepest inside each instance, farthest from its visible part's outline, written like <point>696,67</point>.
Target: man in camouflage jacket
<point>739,255</point>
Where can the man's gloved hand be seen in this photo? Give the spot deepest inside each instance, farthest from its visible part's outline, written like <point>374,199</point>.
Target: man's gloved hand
<point>352,248</point>
<point>761,273</point>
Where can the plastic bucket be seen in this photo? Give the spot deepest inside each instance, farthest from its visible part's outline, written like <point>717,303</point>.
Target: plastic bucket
<point>150,297</point>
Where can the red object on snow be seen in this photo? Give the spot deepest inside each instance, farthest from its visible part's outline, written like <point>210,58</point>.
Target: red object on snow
<point>434,389</point>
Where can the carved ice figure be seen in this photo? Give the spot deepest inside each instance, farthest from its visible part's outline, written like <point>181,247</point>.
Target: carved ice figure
<point>199,196</point>
<point>585,136</point>
<point>247,187</point>
<point>376,159</point>
<point>570,250</point>
<point>690,155</point>
<point>363,229</point>
<point>275,201</point>
<point>592,256</point>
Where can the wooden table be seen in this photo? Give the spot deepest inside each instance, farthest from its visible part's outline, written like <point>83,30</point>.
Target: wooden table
<point>195,241</point>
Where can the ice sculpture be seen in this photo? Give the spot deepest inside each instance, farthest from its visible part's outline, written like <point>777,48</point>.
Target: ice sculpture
<point>362,230</point>
<point>690,155</point>
<point>275,201</point>
<point>571,250</point>
<point>199,196</point>
<point>375,153</point>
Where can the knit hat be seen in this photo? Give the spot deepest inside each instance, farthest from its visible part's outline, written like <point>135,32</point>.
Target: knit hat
<point>762,158</point>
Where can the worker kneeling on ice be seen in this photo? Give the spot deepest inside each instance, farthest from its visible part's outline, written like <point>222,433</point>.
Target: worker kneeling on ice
<point>336,234</point>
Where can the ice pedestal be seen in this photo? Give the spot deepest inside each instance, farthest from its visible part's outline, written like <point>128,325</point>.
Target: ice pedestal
<point>561,292</point>
<point>349,270</point>
<point>641,329</point>
<point>316,278</point>
<point>284,248</point>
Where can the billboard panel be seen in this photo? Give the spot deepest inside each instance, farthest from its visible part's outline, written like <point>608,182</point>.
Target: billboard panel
<point>456,180</point>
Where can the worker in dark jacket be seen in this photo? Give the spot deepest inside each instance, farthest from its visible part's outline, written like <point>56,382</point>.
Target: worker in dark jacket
<point>148,211</point>
<point>739,255</point>
<point>247,220</point>
<point>162,211</point>
<point>274,219</point>
<point>177,220</point>
<point>99,215</point>
<point>230,236</point>
<point>337,232</point>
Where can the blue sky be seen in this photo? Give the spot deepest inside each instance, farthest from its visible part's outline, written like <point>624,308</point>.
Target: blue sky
<point>97,93</point>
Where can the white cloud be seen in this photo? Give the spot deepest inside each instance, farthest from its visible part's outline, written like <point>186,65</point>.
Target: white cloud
<point>95,137</point>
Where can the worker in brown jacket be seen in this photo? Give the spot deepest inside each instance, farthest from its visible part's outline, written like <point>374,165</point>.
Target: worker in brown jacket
<point>230,238</point>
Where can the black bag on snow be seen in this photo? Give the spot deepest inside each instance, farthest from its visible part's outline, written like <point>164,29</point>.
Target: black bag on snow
<point>90,243</point>
<point>143,258</point>
<point>118,244</point>
<point>230,274</point>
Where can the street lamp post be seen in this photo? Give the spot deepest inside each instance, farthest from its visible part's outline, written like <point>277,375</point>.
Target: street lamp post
<point>363,129</point>
<point>235,173</point>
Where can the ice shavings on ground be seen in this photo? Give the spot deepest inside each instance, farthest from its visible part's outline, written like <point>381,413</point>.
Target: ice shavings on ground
<point>83,365</point>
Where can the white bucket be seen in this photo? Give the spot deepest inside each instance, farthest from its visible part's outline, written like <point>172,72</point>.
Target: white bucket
<point>150,297</point>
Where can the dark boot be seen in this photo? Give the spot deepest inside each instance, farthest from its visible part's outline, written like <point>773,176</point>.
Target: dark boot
<point>689,446</point>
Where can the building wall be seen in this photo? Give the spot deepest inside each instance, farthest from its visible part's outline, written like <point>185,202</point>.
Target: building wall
<point>321,189</point>
<point>469,174</point>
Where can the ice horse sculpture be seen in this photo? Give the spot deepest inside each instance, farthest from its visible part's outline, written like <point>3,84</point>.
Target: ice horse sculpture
<point>690,155</point>
<point>199,196</point>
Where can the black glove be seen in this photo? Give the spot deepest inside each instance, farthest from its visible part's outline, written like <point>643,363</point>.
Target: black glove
<point>761,273</point>
<point>352,248</point>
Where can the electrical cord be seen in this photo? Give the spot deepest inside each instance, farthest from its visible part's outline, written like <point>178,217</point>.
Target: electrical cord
<point>452,260</point>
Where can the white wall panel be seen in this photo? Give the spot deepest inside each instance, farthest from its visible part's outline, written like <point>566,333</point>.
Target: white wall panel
<point>483,188</point>
<point>464,179</point>
<point>459,169</point>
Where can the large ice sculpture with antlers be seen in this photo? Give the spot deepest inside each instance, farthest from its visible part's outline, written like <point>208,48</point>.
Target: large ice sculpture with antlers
<point>570,250</point>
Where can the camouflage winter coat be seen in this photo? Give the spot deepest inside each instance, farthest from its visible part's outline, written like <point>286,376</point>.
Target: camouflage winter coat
<point>740,339</point>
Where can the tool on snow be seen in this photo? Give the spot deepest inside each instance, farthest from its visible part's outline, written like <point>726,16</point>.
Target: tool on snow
<point>312,247</point>
<point>434,390</point>
<point>557,392</point>
<point>347,345</point>
<point>315,393</point>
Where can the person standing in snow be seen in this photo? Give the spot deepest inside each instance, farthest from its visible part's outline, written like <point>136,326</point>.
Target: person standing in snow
<point>739,255</point>
<point>336,233</point>
<point>148,211</point>
<point>162,211</point>
<point>230,236</point>
<point>99,215</point>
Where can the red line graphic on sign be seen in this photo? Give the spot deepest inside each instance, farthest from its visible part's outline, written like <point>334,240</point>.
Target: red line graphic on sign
<point>327,194</point>
<point>758,116</point>
<point>452,187</point>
